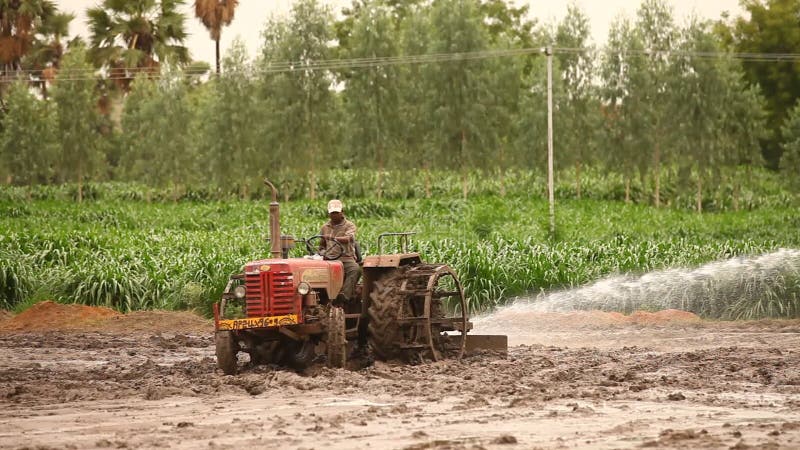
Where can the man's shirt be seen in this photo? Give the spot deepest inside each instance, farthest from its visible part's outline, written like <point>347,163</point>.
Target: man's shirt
<point>346,228</point>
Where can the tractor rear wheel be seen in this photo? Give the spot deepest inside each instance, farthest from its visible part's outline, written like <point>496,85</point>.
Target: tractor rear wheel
<point>227,348</point>
<point>407,314</point>
<point>384,334</point>
<point>336,339</point>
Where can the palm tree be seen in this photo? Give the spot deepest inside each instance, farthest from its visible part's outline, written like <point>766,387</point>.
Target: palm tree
<point>215,14</point>
<point>131,36</point>
<point>19,20</point>
<point>48,47</point>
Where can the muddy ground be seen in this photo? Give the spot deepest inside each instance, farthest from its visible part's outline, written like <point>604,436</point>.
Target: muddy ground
<point>578,380</point>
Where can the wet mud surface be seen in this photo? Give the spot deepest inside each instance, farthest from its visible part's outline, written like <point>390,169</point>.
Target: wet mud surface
<point>569,384</point>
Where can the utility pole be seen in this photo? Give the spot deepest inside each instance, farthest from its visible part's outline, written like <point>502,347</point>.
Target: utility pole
<point>550,187</point>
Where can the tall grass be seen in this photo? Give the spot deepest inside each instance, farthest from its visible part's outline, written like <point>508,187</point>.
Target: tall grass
<point>130,255</point>
<point>753,187</point>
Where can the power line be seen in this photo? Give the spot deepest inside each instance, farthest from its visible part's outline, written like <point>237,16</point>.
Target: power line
<point>299,66</point>
<point>778,57</point>
<point>276,67</point>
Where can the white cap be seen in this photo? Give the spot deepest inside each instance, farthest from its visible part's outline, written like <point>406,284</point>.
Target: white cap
<point>334,206</point>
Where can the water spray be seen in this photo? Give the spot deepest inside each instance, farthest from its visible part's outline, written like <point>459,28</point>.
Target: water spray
<point>745,287</point>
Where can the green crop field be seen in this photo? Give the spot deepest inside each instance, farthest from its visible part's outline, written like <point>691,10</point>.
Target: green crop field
<point>130,254</point>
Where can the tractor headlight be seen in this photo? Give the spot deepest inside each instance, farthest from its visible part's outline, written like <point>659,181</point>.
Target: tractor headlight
<point>303,288</point>
<point>240,291</point>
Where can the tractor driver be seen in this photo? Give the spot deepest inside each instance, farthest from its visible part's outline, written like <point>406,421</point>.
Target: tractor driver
<point>342,231</point>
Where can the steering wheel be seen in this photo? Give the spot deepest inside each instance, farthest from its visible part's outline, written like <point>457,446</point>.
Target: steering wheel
<point>334,252</point>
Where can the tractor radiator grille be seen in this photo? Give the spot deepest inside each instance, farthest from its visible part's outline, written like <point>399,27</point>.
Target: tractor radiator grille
<point>254,300</point>
<point>282,293</point>
<point>270,294</point>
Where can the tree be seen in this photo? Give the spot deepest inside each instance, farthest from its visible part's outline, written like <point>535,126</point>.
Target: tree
<point>215,14</point>
<point>136,153</point>
<point>719,117</point>
<point>48,47</point>
<point>657,33</point>
<point>508,29</point>
<point>530,124</point>
<point>790,137</point>
<point>578,109</point>
<point>745,126</point>
<point>231,126</point>
<point>770,27</point>
<point>27,144</point>
<point>300,94</point>
<point>458,99</point>
<point>371,96</point>
<point>621,110</point>
<point>132,36</point>
<point>505,21</point>
<point>78,121</point>
<point>414,100</point>
<point>158,144</point>
<point>19,21</point>
<point>700,113</point>
<point>502,103</point>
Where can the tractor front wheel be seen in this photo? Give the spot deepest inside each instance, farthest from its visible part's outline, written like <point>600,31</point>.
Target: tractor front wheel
<point>227,348</point>
<point>336,339</point>
<point>300,354</point>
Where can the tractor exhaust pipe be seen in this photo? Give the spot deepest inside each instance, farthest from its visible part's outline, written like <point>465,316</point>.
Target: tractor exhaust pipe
<point>274,223</point>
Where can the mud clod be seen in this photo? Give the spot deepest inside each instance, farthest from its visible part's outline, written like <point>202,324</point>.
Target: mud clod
<point>504,440</point>
<point>676,396</point>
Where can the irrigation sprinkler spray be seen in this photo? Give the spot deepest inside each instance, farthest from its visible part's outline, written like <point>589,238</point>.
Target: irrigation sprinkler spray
<point>745,287</point>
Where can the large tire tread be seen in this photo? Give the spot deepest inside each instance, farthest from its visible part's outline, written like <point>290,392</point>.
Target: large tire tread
<point>226,350</point>
<point>385,335</point>
<point>336,340</point>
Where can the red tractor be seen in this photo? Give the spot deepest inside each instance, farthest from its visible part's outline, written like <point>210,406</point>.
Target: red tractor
<point>288,311</point>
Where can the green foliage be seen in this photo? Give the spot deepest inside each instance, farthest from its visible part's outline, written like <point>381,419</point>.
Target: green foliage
<point>137,33</point>
<point>622,118</point>
<point>371,97</point>
<point>790,160</point>
<point>655,30</point>
<point>78,122</point>
<point>648,120</point>
<point>27,144</point>
<point>415,132</point>
<point>576,101</point>
<point>769,27</point>
<point>300,102</point>
<point>721,125</point>
<point>458,99</point>
<point>24,23</point>
<point>754,188</point>
<point>229,134</point>
<point>133,255</point>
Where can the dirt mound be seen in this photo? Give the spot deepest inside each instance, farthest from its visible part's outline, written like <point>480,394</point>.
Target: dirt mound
<point>603,319</point>
<point>662,317</point>
<point>49,315</point>
<point>523,319</point>
<point>577,319</point>
<point>155,321</point>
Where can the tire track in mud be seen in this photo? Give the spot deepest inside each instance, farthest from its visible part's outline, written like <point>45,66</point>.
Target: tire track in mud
<point>703,385</point>
<point>57,367</point>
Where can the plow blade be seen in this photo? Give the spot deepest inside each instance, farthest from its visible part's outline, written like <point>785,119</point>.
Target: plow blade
<point>491,342</point>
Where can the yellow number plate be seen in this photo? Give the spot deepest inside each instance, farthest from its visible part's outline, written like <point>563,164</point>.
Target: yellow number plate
<point>258,322</point>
